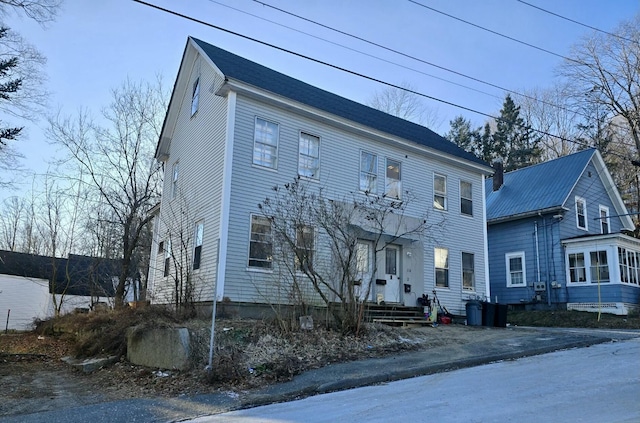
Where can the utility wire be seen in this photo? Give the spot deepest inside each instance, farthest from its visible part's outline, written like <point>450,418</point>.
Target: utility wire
<point>370,78</point>
<point>527,96</point>
<point>500,34</point>
<point>577,22</point>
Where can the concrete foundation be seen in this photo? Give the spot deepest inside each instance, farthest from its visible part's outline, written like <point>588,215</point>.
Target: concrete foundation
<point>163,348</point>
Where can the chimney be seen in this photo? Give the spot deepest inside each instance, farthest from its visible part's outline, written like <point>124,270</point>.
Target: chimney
<point>498,176</point>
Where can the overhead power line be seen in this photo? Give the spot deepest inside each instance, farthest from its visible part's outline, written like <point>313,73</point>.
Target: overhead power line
<point>499,34</point>
<point>351,72</point>
<point>577,22</point>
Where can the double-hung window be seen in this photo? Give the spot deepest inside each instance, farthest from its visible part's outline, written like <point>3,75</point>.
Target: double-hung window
<point>305,247</point>
<point>309,156</point>
<point>393,182</point>
<point>368,172</point>
<point>466,199</point>
<point>195,96</point>
<point>439,192</point>
<point>441,257</point>
<point>604,219</point>
<point>197,249</point>
<point>577,272</point>
<point>468,272</point>
<point>167,256</point>
<point>516,272</point>
<point>261,243</point>
<point>265,144</point>
<point>581,213</point>
<point>599,267</point>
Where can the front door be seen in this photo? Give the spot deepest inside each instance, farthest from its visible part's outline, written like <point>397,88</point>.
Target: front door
<point>392,274</point>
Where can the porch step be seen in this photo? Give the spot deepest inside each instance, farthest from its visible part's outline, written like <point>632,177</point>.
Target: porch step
<point>395,315</point>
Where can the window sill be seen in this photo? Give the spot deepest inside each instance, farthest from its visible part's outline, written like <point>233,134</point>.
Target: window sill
<point>267,168</point>
<point>259,270</point>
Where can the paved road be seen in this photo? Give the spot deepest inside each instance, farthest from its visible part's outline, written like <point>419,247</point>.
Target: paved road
<point>600,383</point>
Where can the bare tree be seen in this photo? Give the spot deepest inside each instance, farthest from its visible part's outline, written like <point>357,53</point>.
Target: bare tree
<point>317,236</point>
<point>41,11</point>
<point>11,220</point>
<point>402,103</point>
<point>118,163</point>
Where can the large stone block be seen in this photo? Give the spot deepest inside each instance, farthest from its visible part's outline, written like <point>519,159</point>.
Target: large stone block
<point>164,348</point>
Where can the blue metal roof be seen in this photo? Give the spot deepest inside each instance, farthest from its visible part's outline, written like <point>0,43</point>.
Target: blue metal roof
<point>540,187</point>
<point>259,76</point>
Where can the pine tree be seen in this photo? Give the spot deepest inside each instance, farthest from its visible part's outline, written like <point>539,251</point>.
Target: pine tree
<point>514,141</point>
<point>461,134</point>
<point>8,86</point>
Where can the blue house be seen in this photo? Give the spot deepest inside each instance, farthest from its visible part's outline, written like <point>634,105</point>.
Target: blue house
<point>556,238</point>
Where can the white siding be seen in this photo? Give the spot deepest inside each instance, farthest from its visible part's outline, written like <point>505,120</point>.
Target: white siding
<point>25,298</point>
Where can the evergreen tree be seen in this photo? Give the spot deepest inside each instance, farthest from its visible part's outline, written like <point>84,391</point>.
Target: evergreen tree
<point>461,134</point>
<point>9,85</point>
<point>514,141</point>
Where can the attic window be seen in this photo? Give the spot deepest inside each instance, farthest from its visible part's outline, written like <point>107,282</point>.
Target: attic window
<point>581,213</point>
<point>195,96</point>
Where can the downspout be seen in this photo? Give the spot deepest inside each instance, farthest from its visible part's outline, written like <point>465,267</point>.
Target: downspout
<point>547,284</point>
<point>535,232</point>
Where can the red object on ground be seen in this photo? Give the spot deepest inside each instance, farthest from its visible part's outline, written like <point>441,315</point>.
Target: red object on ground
<point>445,320</point>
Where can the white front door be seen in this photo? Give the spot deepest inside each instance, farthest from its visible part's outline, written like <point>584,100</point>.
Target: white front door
<point>392,274</point>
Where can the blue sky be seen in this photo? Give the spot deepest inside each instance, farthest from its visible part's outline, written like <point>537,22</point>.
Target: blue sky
<point>95,45</point>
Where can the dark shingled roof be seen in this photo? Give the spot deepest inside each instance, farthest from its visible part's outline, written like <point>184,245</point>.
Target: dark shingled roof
<point>259,76</point>
<point>87,276</point>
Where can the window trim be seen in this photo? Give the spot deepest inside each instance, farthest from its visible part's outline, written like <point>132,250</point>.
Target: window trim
<point>442,194</point>
<point>598,266</point>
<point>257,142</point>
<point>316,175</point>
<point>387,178</point>
<point>508,257</point>
<point>198,238</point>
<point>313,249</point>
<point>374,191</point>
<point>583,267</point>
<point>268,268</point>
<point>606,221</point>
<point>584,208</point>
<point>473,271</point>
<point>175,176</point>
<point>469,199</point>
<point>446,269</point>
<point>195,97</point>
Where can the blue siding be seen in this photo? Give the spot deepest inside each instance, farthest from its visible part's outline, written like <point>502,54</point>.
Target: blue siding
<point>609,293</point>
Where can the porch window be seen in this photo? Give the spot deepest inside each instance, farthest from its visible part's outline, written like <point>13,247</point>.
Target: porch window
<point>599,267</point>
<point>604,219</point>
<point>393,183</point>
<point>468,272</point>
<point>577,269</point>
<point>363,257</point>
<point>439,192</point>
<point>309,156</point>
<point>305,247</point>
<point>442,267</point>
<point>197,250</point>
<point>633,267</point>
<point>516,272</point>
<point>466,200</point>
<point>261,243</point>
<point>629,266</point>
<point>581,213</point>
<point>265,144</point>
<point>368,172</point>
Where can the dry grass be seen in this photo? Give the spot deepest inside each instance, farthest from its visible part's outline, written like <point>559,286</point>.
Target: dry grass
<point>573,319</point>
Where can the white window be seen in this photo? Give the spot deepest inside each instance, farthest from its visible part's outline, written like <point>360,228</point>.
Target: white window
<point>581,213</point>
<point>167,256</point>
<point>599,266</point>
<point>309,156</point>
<point>439,192</point>
<point>368,172</point>
<point>393,182</point>
<point>577,271</point>
<point>363,261</point>
<point>261,243</point>
<point>466,198</point>
<point>174,180</point>
<point>516,272</point>
<point>441,258</point>
<point>604,220</point>
<point>305,247</point>
<point>468,272</point>
<point>197,249</point>
<point>195,96</point>
<point>265,144</point>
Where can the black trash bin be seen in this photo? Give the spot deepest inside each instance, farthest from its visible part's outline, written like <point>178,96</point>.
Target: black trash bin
<point>488,313</point>
<point>474,313</point>
<point>501,315</point>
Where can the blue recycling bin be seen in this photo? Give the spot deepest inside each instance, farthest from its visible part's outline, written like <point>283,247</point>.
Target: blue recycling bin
<point>474,313</point>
